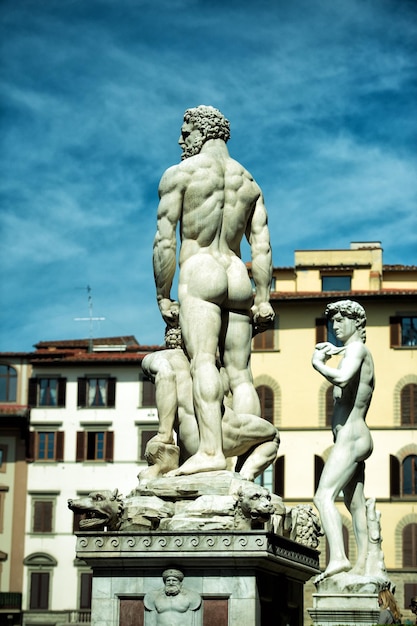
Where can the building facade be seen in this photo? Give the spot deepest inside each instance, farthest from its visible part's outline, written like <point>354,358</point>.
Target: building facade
<point>299,400</point>
<point>92,413</point>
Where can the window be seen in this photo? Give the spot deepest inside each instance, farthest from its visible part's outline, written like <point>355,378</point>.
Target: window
<point>148,393</point>
<point>318,468</point>
<point>403,331</point>
<point>410,545</point>
<point>336,283</point>
<point>39,590</point>
<point>144,436</point>
<point>95,445</point>
<point>409,475</point>
<point>410,591</point>
<point>266,398</point>
<point>408,403</point>
<point>86,582</point>
<point>46,446</point>
<point>42,515</point>
<point>324,332</point>
<point>48,391</point>
<point>267,339</point>
<point>3,457</point>
<point>97,392</point>
<point>8,383</point>
<point>329,406</point>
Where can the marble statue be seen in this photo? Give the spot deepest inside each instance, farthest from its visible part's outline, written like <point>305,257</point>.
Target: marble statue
<point>172,605</point>
<point>250,437</point>
<point>216,202</point>
<point>344,470</point>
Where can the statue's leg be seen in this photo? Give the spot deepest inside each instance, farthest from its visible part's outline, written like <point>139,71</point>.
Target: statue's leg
<point>356,504</point>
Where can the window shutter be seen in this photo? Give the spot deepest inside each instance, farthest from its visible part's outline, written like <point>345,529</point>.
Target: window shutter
<point>264,340</point>
<point>85,590</point>
<point>39,590</point>
<point>410,545</point>
<point>318,468</point>
<point>394,476</point>
<point>42,518</point>
<point>31,447</point>
<point>148,393</point>
<point>395,331</point>
<point>82,392</point>
<point>62,391</point>
<point>321,329</point>
<point>80,453</point>
<point>59,455</point>
<point>109,445</point>
<point>279,477</point>
<point>329,406</point>
<point>33,392</point>
<point>111,392</point>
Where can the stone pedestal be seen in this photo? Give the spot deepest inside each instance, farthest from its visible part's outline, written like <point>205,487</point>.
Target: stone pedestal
<point>247,578</point>
<point>337,609</point>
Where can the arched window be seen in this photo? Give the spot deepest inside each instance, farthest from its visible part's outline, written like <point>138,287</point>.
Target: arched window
<point>410,545</point>
<point>8,380</point>
<point>40,570</point>
<point>408,403</point>
<point>409,475</point>
<point>266,398</point>
<point>329,406</point>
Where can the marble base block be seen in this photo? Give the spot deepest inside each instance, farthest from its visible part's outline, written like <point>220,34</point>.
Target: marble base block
<point>247,578</point>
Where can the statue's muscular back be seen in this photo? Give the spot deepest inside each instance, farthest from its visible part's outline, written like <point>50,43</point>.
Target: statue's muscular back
<point>218,198</point>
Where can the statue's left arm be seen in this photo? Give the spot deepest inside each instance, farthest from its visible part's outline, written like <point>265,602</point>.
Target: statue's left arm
<point>165,243</point>
<point>259,240</point>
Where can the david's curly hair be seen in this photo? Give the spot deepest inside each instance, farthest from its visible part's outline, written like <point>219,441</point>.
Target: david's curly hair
<point>351,309</point>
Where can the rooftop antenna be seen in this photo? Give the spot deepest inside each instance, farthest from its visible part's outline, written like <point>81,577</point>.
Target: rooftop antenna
<point>90,317</point>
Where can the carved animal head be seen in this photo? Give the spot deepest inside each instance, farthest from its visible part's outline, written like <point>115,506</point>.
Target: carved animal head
<point>100,509</point>
<point>254,502</point>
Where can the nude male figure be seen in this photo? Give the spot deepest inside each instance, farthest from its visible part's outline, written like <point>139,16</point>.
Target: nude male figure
<point>345,468</point>
<point>216,202</point>
<point>174,605</point>
<point>246,434</point>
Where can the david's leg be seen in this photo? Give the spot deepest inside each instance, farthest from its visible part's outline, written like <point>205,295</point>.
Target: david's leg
<point>356,504</point>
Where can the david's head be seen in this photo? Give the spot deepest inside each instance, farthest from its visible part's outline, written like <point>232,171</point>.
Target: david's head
<point>347,316</point>
<point>201,124</point>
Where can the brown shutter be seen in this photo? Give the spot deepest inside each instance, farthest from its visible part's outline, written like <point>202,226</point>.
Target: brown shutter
<point>148,393</point>
<point>59,455</point>
<point>80,453</point>
<point>85,590</point>
<point>39,590</point>
<point>395,331</point>
<point>321,329</point>
<point>410,545</point>
<point>82,392</point>
<point>33,392</point>
<point>31,446</point>
<point>109,445</point>
<point>42,518</point>
<point>329,406</point>
<point>318,468</point>
<point>62,391</point>
<point>279,476</point>
<point>394,476</point>
<point>111,392</point>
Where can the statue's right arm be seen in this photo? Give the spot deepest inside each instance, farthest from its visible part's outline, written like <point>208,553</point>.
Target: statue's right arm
<point>171,191</point>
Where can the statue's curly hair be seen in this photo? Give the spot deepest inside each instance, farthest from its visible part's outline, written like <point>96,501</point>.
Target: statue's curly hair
<point>351,309</point>
<point>210,121</point>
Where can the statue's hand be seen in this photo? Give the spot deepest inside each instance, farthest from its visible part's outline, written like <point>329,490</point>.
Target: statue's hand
<point>262,315</point>
<point>170,310</point>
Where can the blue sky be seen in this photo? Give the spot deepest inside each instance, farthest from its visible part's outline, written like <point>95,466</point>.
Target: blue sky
<point>322,100</point>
